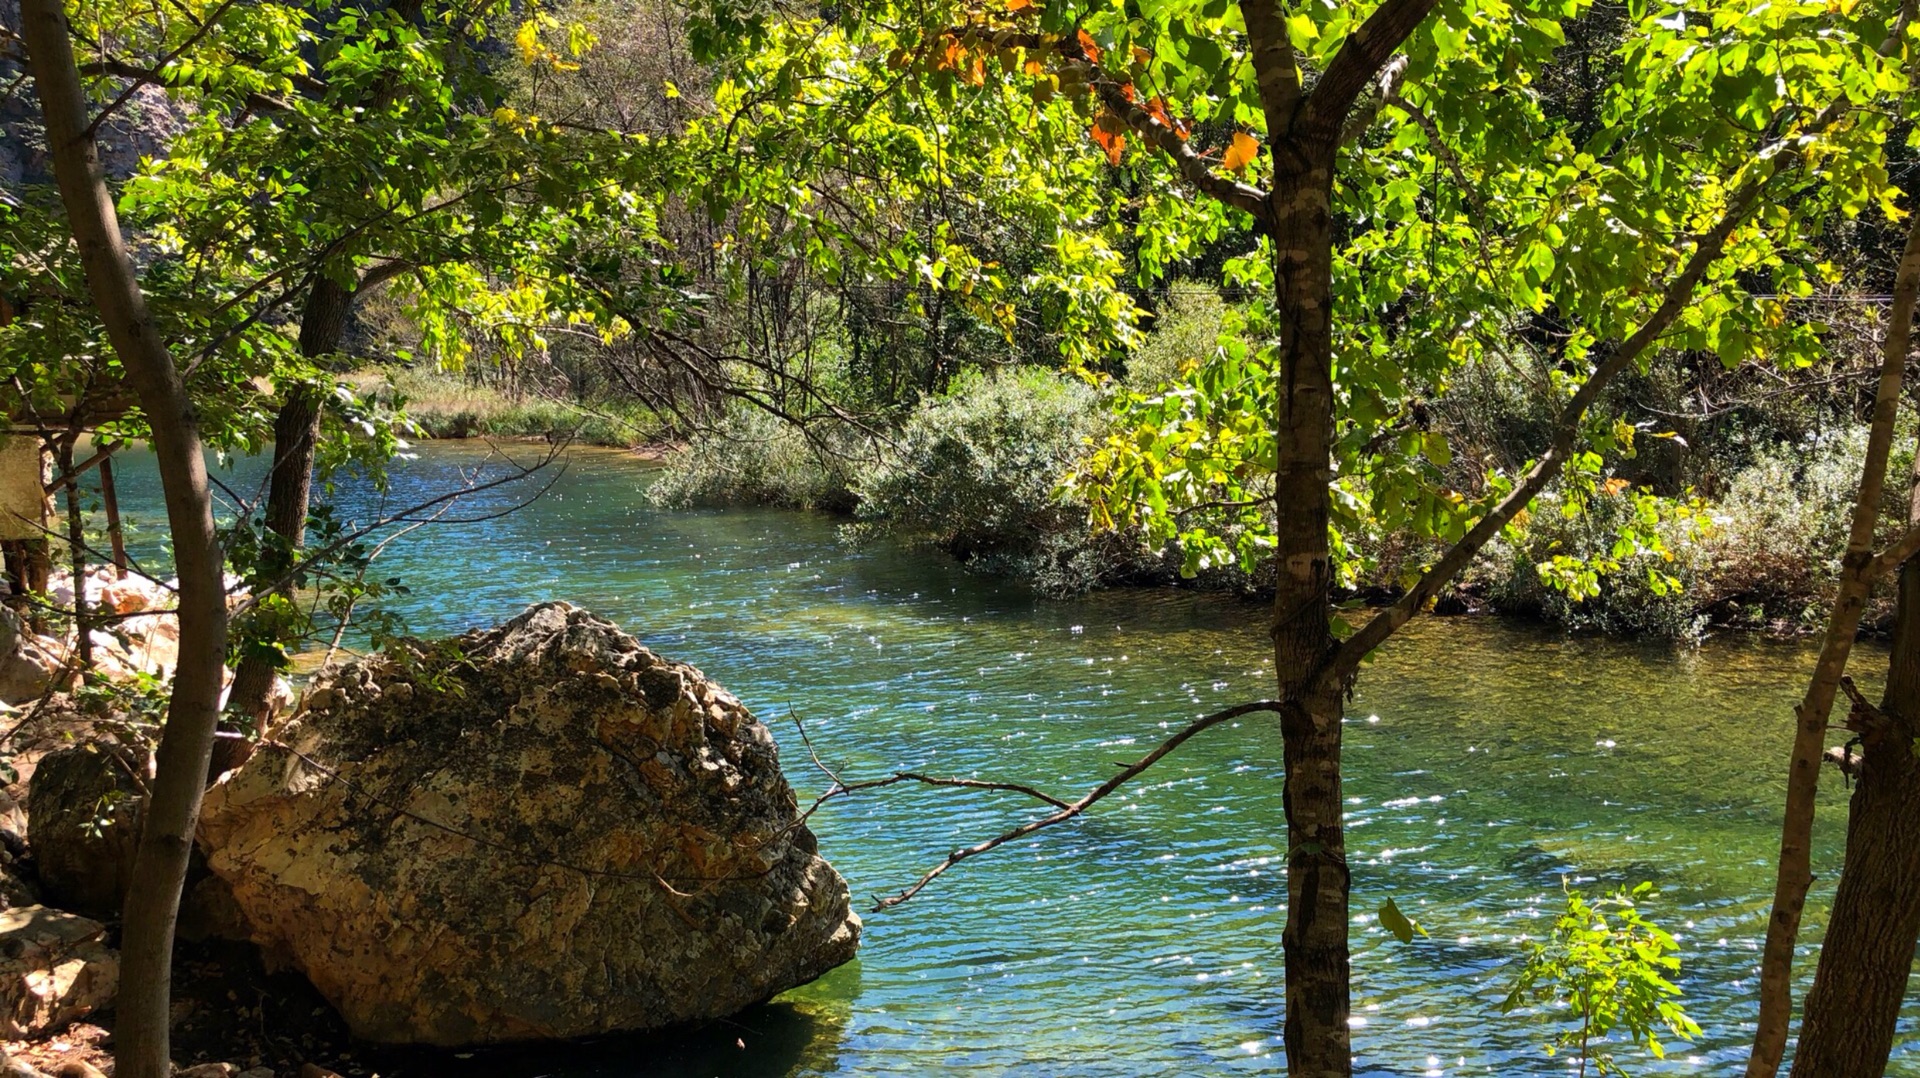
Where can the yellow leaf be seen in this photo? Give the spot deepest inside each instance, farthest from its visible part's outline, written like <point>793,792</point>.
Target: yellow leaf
<point>1242,152</point>
<point>528,40</point>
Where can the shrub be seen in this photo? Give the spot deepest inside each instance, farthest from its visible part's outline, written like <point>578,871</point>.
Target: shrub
<point>1642,593</point>
<point>752,458</point>
<point>1605,968</point>
<point>1186,330</point>
<point>975,472</point>
<point>1782,526</point>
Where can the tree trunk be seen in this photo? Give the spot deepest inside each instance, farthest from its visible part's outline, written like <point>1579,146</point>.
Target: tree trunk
<point>166,839</point>
<point>296,431</point>
<point>110,502</point>
<point>1315,938</point>
<point>1847,1031</point>
<point>77,548</point>
<point>1803,777</point>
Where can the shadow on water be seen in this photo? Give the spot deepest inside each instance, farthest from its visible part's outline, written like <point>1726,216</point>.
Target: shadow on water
<point>772,1040</point>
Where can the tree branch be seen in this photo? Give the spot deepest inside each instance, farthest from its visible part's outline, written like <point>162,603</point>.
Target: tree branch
<point>1359,62</point>
<point>153,75</point>
<point>1386,90</point>
<point>1679,293</point>
<point>1122,101</point>
<point>1193,168</point>
<point>1069,811</point>
<point>1895,555</point>
<point>1276,71</point>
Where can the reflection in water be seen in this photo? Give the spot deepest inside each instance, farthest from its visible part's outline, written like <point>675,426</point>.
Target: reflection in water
<point>1486,761</point>
<point>793,1035</point>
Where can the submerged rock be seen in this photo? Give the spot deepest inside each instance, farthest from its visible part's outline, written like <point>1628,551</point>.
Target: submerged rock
<point>539,831</point>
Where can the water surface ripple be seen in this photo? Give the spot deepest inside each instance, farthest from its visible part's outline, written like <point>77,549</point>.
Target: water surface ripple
<point>1486,761</point>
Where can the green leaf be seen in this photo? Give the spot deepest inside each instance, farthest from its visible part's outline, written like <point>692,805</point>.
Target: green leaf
<point>1402,926</point>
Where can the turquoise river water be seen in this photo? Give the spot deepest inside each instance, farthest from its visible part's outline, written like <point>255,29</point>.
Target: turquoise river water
<point>1486,761</point>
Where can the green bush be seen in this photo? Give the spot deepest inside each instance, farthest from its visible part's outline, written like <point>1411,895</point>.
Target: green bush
<point>1638,597</point>
<point>975,473</point>
<point>1774,552</point>
<point>752,458</point>
<point>1185,330</point>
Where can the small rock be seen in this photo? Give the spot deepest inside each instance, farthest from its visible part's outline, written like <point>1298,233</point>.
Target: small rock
<point>206,1070</point>
<point>54,970</point>
<point>77,1068</point>
<point>28,663</point>
<point>312,1070</point>
<point>257,1072</point>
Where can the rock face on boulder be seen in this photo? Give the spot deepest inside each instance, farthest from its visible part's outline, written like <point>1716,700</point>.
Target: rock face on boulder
<point>83,824</point>
<point>543,830</point>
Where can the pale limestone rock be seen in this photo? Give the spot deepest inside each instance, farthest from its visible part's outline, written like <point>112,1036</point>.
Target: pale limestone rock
<point>54,970</point>
<point>540,831</point>
<point>28,663</point>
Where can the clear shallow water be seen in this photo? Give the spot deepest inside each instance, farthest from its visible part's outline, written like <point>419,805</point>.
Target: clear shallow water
<point>1485,761</point>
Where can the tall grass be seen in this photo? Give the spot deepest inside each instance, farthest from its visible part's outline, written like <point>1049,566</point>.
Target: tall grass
<point>451,405</point>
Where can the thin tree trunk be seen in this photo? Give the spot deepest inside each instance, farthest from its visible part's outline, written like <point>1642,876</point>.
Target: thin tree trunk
<point>296,432</point>
<point>153,896</point>
<point>1865,963</point>
<point>1809,745</point>
<point>110,501</point>
<point>77,547</point>
<point>1315,937</point>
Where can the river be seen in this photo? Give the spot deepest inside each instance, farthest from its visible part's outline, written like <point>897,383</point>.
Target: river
<point>1487,762</point>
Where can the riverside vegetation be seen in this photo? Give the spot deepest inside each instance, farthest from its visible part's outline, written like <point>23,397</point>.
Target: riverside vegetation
<point>1598,312</point>
<point>980,471</point>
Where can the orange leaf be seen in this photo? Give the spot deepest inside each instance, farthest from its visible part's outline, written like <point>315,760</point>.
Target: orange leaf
<point>1019,5</point>
<point>1087,46</point>
<point>1242,152</point>
<point>1126,90</point>
<point>1110,141</point>
<point>1033,67</point>
<point>1141,56</point>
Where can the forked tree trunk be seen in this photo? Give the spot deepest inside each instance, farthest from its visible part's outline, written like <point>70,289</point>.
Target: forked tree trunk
<point>1847,1031</point>
<point>1315,938</point>
<point>1795,873</point>
<point>166,839</point>
<point>296,431</point>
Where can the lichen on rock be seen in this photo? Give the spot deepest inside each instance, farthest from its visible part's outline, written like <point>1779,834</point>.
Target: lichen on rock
<point>542,830</point>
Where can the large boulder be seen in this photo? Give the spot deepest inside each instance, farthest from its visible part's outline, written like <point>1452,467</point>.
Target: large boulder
<point>83,824</point>
<point>539,831</point>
